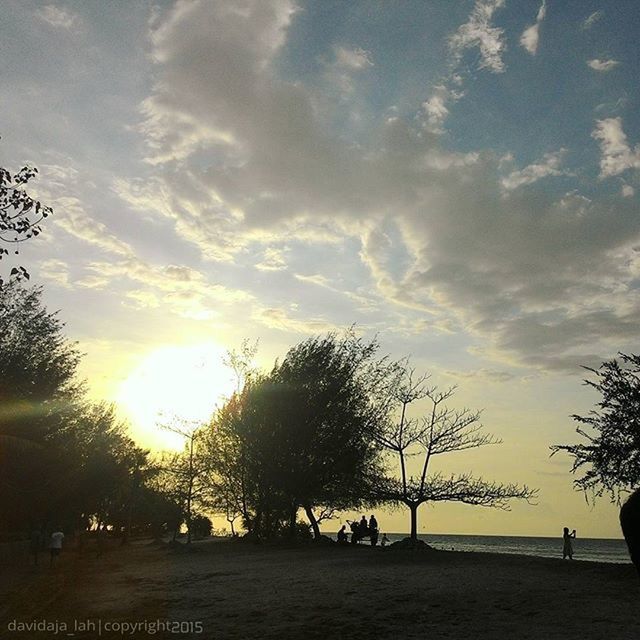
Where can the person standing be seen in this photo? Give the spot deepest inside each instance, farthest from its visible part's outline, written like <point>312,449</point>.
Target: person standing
<point>55,545</point>
<point>567,547</point>
<point>373,530</point>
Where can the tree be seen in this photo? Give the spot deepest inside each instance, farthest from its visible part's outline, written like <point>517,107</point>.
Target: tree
<point>20,214</point>
<point>39,387</point>
<point>609,458</point>
<point>303,435</point>
<point>329,413</point>
<point>62,458</point>
<point>202,526</point>
<point>442,430</point>
<point>189,469</point>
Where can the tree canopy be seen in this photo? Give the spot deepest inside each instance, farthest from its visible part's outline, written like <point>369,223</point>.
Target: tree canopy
<point>303,435</point>
<point>63,460</point>
<point>608,458</point>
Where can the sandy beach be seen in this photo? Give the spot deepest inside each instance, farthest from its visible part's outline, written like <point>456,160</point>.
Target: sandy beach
<point>222,589</point>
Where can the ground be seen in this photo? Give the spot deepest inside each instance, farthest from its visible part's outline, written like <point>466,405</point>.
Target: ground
<point>235,590</point>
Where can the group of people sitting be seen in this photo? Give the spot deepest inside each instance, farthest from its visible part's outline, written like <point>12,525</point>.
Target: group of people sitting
<point>361,530</point>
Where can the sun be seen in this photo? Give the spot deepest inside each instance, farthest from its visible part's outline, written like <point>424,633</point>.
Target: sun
<point>185,382</point>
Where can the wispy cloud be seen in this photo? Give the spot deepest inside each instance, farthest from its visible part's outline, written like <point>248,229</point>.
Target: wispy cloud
<point>479,32</point>
<point>550,165</point>
<point>436,107</point>
<point>531,35</point>
<point>56,271</point>
<point>590,20</point>
<point>276,318</point>
<point>352,58</point>
<point>602,65</point>
<point>617,156</point>
<point>58,17</point>
<point>273,260</point>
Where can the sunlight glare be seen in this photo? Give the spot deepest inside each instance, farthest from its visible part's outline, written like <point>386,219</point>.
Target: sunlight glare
<point>185,382</point>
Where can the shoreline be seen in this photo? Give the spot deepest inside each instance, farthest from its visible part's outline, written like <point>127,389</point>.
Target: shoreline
<point>607,550</point>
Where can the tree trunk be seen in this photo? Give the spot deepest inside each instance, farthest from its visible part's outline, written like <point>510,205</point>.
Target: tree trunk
<point>414,521</point>
<point>314,523</point>
<point>292,520</point>
<point>190,489</point>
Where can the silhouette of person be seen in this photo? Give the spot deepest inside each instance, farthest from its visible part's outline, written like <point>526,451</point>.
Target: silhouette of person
<point>55,545</point>
<point>355,532</point>
<point>373,530</point>
<point>385,541</point>
<point>342,535</point>
<point>364,527</point>
<point>567,548</point>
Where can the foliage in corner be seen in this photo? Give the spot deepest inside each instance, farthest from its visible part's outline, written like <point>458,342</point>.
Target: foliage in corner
<point>20,215</point>
<point>609,457</point>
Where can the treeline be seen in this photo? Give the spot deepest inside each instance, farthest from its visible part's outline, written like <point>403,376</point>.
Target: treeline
<point>65,461</point>
<point>327,429</point>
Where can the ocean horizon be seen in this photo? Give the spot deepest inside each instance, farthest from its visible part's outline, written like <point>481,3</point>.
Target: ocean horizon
<point>613,550</point>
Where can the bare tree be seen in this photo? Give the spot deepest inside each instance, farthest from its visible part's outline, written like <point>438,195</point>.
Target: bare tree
<point>240,361</point>
<point>189,468</point>
<point>442,430</point>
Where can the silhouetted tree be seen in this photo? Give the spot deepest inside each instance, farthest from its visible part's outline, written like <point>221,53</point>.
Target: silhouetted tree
<point>609,456</point>
<point>202,526</point>
<point>62,458</point>
<point>37,391</point>
<point>442,430</point>
<point>190,469</point>
<point>302,436</point>
<point>330,410</point>
<point>20,214</point>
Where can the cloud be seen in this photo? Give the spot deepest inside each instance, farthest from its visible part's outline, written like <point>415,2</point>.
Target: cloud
<point>616,154</point>
<point>341,72</point>
<point>531,35</point>
<point>58,17</point>
<point>316,279</point>
<point>56,271</point>
<point>590,20</point>
<point>72,217</point>
<point>273,260</point>
<point>479,32</point>
<point>352,58</point>
<point>366,303</point>
<point>275,318</point>
<point>627,191</point>
<point>603,65</point>
<point>548,166</point>
<point>435,107</point>
<point>179,288</point>
<point>476,32</point>
<point>484,375</point>
<point>450,240</point>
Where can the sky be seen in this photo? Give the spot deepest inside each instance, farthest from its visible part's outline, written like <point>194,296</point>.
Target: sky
<point>459,179</point>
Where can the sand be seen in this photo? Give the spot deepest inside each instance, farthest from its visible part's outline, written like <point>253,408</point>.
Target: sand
<point>244,591</point>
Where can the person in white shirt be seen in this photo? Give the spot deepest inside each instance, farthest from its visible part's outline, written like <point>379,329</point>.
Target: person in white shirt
<point>55,546</point>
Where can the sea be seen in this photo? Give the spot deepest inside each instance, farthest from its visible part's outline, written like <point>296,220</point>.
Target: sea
<point>589,549</point>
